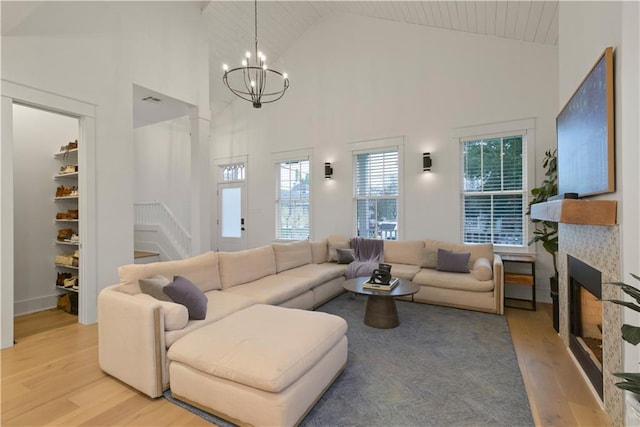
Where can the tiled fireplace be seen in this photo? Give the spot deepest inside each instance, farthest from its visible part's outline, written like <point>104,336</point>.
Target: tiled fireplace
<point>597,247</point>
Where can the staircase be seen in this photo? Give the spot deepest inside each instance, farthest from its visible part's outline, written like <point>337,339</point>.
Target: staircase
<point>144,257</point>
<point>158,231</point>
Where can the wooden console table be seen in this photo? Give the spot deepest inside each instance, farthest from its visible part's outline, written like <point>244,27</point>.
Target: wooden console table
<point>524,279</point>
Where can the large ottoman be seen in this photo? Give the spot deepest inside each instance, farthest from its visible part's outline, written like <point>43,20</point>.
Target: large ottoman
<point>263,365</point>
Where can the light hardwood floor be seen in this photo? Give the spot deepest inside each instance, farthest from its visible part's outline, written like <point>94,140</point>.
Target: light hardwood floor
<point>51,377</point>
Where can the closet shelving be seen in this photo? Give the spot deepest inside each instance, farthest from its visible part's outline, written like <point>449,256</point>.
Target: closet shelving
<point>67,195</point>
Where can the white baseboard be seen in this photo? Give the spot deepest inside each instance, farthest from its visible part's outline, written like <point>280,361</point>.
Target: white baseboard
<point>33,305</point>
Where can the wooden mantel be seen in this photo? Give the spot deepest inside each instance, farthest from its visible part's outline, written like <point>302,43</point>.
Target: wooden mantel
<point>577,211</point>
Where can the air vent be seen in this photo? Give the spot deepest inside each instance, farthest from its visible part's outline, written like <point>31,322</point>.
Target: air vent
<point>151,99</point>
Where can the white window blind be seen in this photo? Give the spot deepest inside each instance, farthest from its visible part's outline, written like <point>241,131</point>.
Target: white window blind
<point>293,197</point>
<point>376,194</point>
<point>494,193</point>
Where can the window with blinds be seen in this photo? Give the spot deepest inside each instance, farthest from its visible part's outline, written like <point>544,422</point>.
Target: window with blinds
<point>292,204</point>
<point>376,194</point>
<point>494,193</point>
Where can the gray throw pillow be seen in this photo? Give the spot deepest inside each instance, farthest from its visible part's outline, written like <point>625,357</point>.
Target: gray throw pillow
<point>456,262</point>
<point>333,249</point>
<point>182,291</point>
<point>345,256</point>
<point>154,286</point>
<point>429,258</point>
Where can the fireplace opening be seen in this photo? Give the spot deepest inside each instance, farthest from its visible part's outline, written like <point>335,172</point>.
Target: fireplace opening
<point>585,319</point>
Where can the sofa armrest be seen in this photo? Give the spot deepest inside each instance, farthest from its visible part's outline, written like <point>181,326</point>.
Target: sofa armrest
<point>131,340</point>
<point>498,283</point>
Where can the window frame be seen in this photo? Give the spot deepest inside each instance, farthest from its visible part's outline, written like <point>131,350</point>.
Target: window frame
<point>525,128</point>
<point>371,147</point>
<point>278,162</point>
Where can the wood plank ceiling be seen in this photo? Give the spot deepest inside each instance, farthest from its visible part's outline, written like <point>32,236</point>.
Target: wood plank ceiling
<point>230,24</point>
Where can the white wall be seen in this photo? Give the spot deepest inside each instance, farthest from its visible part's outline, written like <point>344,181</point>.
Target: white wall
<point>162,166</point>
<point>37,136</point>
<point>95,52</point>
<point>586,29</point>
<point>354,79</point>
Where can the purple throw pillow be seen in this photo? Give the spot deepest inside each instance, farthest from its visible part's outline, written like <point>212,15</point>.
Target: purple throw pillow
<point>455,262</point>
<point>182,291</point>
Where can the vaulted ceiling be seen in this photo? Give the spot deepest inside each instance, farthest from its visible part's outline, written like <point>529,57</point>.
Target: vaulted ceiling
<point>281,23</point>
<point>230,24</point>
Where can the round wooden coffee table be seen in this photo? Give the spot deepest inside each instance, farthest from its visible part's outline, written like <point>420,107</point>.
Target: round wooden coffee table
<point>381,309</point>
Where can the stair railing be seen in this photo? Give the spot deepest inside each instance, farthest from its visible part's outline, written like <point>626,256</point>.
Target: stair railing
<point>158,214</point>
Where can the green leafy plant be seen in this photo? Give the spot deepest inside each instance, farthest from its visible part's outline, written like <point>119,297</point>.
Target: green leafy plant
<point>546,232</point>
<point>630,334</point>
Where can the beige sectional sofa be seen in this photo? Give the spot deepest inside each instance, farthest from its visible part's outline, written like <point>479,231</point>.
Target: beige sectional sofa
<point>137,332</point>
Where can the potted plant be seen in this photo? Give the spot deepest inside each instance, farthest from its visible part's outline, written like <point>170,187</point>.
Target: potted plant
<point>546,232</point>
<point>631,334</point>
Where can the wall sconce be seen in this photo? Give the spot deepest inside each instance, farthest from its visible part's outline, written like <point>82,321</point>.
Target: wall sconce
<point>426,162</point>
<point>328,170</point>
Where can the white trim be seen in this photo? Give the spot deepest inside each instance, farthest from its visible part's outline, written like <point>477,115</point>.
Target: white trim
<point>524,127</point>
<point>33,305</point>
<point>16,93</point>
<point>6,224</point>
<point>292,155</point>
<point>489,129</point>
<point>374,146</point>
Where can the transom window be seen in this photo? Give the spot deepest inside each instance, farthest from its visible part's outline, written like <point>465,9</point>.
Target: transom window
<point>376,193</point>
<point>233,172</point>
<point>494,190</point>
<point>292,200</point>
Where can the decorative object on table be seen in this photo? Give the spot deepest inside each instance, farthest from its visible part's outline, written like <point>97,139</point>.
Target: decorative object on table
<point>256,83</point>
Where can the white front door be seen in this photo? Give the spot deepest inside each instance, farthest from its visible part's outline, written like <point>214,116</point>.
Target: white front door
<point>232,204</point>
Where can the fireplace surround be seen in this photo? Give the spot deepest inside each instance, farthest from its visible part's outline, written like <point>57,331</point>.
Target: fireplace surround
<point>597,246</point>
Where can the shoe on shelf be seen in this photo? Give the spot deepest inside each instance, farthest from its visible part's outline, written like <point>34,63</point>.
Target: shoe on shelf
<point>72,213</point>
<point>67,169</point>
<point>71,282</point>
<point>64,259</point>
<point>65,234</point>
<point>73,192</point>
<point>73,239</point>
<point>61,278</point>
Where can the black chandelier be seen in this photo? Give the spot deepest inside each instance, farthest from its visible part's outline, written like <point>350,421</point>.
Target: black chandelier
<point>249,82</point>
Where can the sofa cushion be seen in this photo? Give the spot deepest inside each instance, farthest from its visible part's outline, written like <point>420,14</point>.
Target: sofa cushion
<point>274,289</point>
<point>154,286</point>
<point>453,261</point>
<point>319,251</point>
<point>447,280</point>
<point>482,269</point>
<point>403,251</point>
<point>429,258</point>
<point>345,256</point>
<point>175,315</point>
<point>477,250</point>
<point>317,274</point>
<point>182,291</point>
<point>291,255</point>
<point>333,249</point>
<point>263,347</point>
<point>404,271</point>
<point>438,244</point>
<point>245,266</point>
<point>201,270</point>
<point>220,305</point>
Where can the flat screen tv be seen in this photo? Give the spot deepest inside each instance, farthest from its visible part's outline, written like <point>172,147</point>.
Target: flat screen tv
<point>585,131</point>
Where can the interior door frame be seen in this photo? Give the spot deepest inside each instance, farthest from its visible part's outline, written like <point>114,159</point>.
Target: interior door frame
<point>220,184</point>
<point>86,113</point>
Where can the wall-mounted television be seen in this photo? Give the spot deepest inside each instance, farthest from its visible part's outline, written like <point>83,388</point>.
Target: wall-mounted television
<point>585,131</point>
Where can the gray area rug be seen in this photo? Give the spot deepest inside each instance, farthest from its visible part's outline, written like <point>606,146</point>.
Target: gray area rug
<point>440,367</point>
